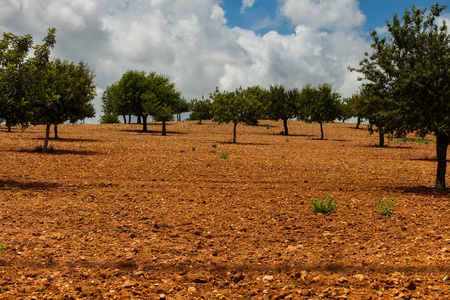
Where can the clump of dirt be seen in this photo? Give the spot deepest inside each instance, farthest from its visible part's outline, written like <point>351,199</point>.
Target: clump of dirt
<point>115,213</point>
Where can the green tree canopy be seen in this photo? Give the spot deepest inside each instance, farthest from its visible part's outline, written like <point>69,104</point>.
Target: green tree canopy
<point>411,65</point>
<point>282,104</point>
<point>235,107</point>
<point>160,98</point>
<point>201,110</point>
<point>15,79</point>
<point>74,86</point>
<point>319,105</point>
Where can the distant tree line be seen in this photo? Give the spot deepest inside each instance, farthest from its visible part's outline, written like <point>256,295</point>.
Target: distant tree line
<point>37,90</point>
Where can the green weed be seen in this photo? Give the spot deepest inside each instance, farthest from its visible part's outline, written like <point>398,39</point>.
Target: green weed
<point>385,206</point>
<point>323,207</point>
<point>223,155</point>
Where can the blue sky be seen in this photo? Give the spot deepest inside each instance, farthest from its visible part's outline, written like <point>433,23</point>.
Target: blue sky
<point>204,44</point>
<point>265,12</point>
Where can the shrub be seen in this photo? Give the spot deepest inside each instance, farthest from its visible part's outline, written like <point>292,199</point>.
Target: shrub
<point>223,155</point>
<point>2,247</point>
<point>385,206</point>
<point>325,206</point>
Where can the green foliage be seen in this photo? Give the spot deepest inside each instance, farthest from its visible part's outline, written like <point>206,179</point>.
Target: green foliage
<point>2,247</point>
<point>319,105</point>
<point>407,76</point>
<point>201,110</point>
<point>235,107</point>
<point>109,119</point>
<point>223,155</point>
<point>325,206</point>
<point>282,104</point>
<point>385,206</point>
<point>181,106</point>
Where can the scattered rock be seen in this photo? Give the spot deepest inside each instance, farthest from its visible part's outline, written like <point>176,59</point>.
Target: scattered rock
<point>267,278</point>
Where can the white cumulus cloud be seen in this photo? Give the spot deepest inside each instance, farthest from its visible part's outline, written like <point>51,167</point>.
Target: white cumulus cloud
<point>191,42</point>
<point>246,3</point>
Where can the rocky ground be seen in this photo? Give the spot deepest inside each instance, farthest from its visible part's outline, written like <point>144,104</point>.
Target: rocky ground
<point>114,213</point>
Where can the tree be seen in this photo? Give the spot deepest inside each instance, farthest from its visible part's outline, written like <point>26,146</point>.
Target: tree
<point>15,75</point>
<point>75,89</point>
<point>181,106</point>
<point>258,111</point>
<point>352,107</point>
<point>108,105</point>
<point>412,64</point>
<point>235,107</point>
<point>201,110</point>
<point>319,105</point>
<point>42,93</point>
<point>160,98</point>
<point>132,86</point>
<point>282,105</point>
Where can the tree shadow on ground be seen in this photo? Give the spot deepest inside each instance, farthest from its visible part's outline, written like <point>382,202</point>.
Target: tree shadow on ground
<point>222,268</point>
<point>432,159</point>
<point>423,191</point>
<point>67,140</point>
<point>244,143</point>
<point>32,185</point>
<point>385,147</point>
<point>59,152</point>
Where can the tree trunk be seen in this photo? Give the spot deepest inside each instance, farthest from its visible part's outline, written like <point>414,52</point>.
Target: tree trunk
<point>56,131</point>
<point>381,137</point>
<point>234,132</point>
<point>144,123</point>
<point>9,128</point>
<point>47,136</point>
<point>358,122</point>
<point>124,119</point>
<point>200,121</point>
<point>129,119</point>
<point>286,132</point>
<point>163,127</point>
<point>139,120</point>
<point>321,130</point>
<point>442,143</point>
<point>178,117</point>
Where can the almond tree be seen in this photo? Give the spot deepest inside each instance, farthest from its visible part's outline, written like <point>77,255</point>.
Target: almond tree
<point>412,66</point>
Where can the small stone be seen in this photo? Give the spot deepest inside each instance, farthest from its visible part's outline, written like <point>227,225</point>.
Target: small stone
<point>359,277</point>
<point>162,297</point>
<point>192,289</point>
<point>129,283</point>
<point>267,278</point>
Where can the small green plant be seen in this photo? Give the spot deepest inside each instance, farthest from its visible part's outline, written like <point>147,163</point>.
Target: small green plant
<point>385,206</point>
<point>2,247</point>
<point>223,155</point>
<point>323,207</point>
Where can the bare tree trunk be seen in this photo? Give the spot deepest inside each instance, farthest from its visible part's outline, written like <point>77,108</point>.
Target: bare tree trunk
<point>47,137</point>
<point>129,119</point>
<point>56,131</point>
<point>285,125</point>
<point>139,120</point>
<point>163,127</point>
<point>234,132</point>
<point>381,137</point>
<point>358,122</point>
<point>321,130</point>
<point>9,128</point>
<point>124,119</point>
<point>442,143</point>
<point>144,123</point>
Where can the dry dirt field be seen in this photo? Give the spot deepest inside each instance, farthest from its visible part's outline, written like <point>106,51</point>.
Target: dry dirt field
<point>113,213</point>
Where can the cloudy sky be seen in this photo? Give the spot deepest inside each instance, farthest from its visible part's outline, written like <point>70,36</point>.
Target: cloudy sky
<point>202,44</point>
